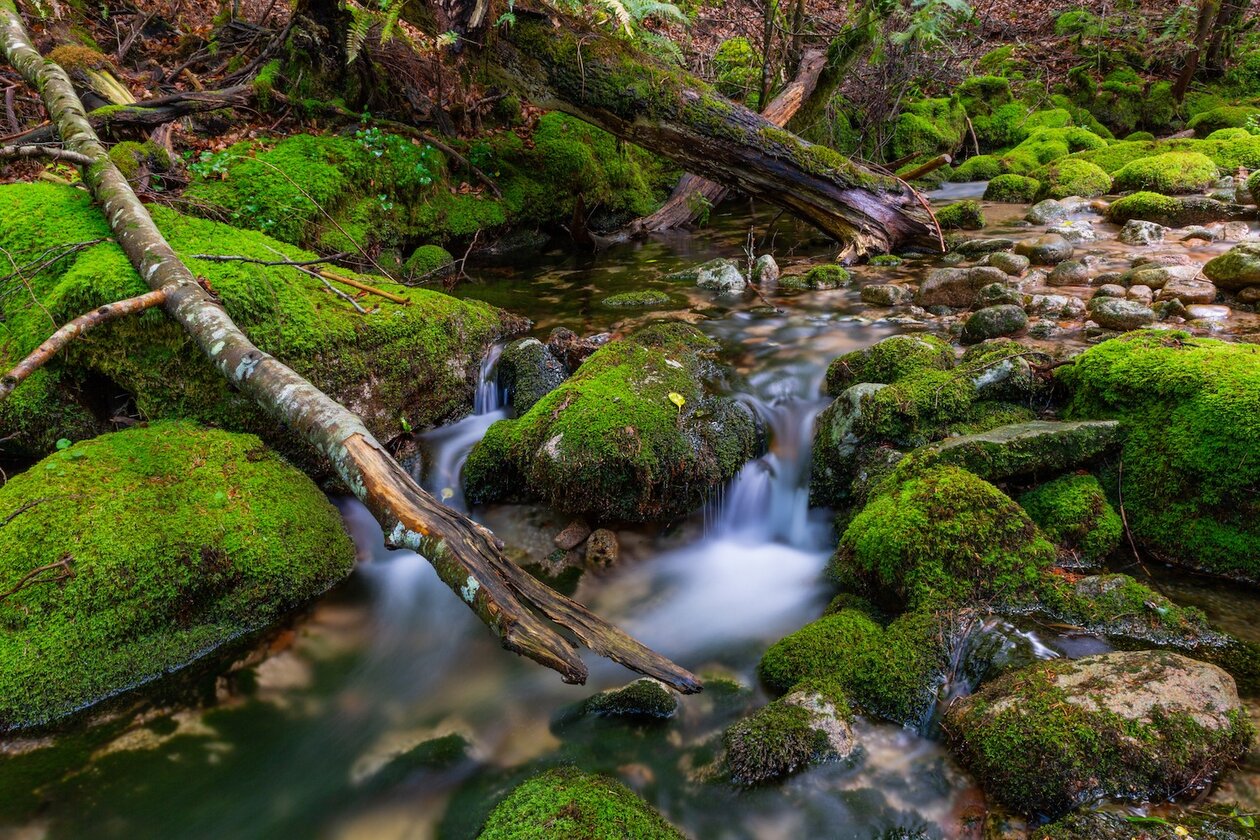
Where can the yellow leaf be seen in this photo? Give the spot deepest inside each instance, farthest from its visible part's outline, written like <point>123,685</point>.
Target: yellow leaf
<point>447,493</point>
<point>677,399</point>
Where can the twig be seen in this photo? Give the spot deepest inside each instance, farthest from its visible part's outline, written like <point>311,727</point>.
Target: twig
<point>23,509</point>
<point>364,287</point>
<point>10,114</point>
<point>236,258</point>
<point>30,578</point>
<point>343,295</point>
<point>45,151</point>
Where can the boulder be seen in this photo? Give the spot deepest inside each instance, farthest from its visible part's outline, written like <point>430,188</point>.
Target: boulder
<point>818,278</point>
<point>1141,726</point>
<point>722,276</point>
<point>993,322</point>
<point>980,247</point>
<point>809,725</point>
<point>567,802</point>
<point>1074,272</point>
<point>1237,268</point>
<point>528,371</point>
<point>887,361</point>
<point>1036,447</point>
<point>1074,513</point>
<point>1047,212</point>
<point>1048,249</point>
<point>646,298</point>
<point>1136,232</point>
<point>1121,315</point>
<point>886,294</point>
<point>1074,231</point>
<point>1188,292</point>
<point>765,270</point>
<point>957,287</point>
<point>1013,264</point>
<point>572,349</point>
<point>643,698</point>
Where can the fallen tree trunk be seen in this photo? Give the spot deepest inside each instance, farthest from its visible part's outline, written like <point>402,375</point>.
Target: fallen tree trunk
<point>694,193</point>
<point>558,63</point>
<point>467,557</point>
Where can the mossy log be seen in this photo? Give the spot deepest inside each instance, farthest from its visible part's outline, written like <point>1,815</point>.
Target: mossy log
<point>560,64</point>
<point>466,556</point>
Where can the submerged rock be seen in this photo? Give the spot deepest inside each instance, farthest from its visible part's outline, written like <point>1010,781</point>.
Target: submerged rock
<point>1118,314</point>
<point>646,298</point>
<point>1140,726</point>
<point>612,442</point>
<point>807,726</point>
<point>162,542</point>
<point>528,371</point>
<point>1137,232</point>
<point>993,322</point>
<point>1048,249</point>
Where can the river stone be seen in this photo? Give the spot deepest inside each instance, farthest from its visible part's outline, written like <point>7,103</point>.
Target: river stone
<point>528,371</point>
<point>573,535</point>
<point>996,294</point>
<point>1110,290</point>
<point>980,247</point>
<point>1141,726</point>
<point>1237,268</point>
<point>1117,314</point>
<point>805,727</point>
<point>1047,212</point>
<point>957,287</point>
<point>1075,231</point>
<point>721,275</point>
<point>1039,446</point>
<point>1048,249</point>
<point>572,349</point>
<point>993,322</point>
<point>1142,294</point>
<point>1235,231</point>
<point>886,294</point>
<point>1198,232</point>
<point>765,270</point>
<point>602,549</point>
<point>1251,294</point>
<point>1158,276</point>
<point>1012,264</point>
<point>643,698</point>
<point>1188,292</point>
<point>1070,273</point>
<point>1056,306</point>
<point>1138,232</point>
<point>1207,312</point>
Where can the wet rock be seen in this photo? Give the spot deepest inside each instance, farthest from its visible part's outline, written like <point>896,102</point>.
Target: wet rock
<point>1237,268</point>
<point>807,726</point>
<point>993,322</point>
<point>1130,725</point>
<point>1047,212</point>
<point>956,287</point>
<point>1110,290</point>
<point>1075,231</point>
<point>1048,249</point>
<point>818,278</point>
<point>722,276</point>
<point>1074,272</point>
<point>570,348</point>
<point>567,802</point>
<point>765,270</point>
<point>1176,211</point>
<point>980,247</point>
<point>573,535</point>
<point>996,294</point>
<point>1200,233</point>
<point>1040,446</point>
<point>643,698</point>
<point>1251,294</point>
<point>1235,231</point>
<point>1188,292</point>
<point>887,361</point>
<point>1142,294</point>
<point>1013,264</point>
<point>1206,312</point>
<point>1117,314</point>
<point>528,371</point>
<point>1158,276</point>
<point>1056,306</point>
<point>1136,232</point>
<point>1112,825</point>
<point>1169,309</point>
<point>602,549</point>
<point>886,294</point>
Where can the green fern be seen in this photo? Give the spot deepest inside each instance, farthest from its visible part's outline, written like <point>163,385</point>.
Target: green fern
<point>363,19</point>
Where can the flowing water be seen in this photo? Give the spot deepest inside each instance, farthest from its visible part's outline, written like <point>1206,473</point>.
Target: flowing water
<point>295,737</point>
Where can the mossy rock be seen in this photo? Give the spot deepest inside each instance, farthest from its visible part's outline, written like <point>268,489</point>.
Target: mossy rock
<point>1216,823</point>
<point>567,803</point>
<point>941,535</point>
<point>818,278</point>
<point>888,360</point>
<point>1074,513</point>
<point>421,358</point>
<point>928,126</point>
<point>977,168</point>
<point>611,442</point>
<point>737,68</point>
<point>1139,726</point>
<point>1238,268</point>
<point>891,673</point>
<point>1049,144</point>
<point>1172,173</point>
<point>961,215</point>
<point>1069,177</point>
<point>809,725</point>
<point>174,540</point>
<point>1026,448</point>
<point>643,698</point>
<point>429,262</point>
<point>1187,408</point>
<point>1012,189</point>
<point>1205,123</point>
<point>643,299</point>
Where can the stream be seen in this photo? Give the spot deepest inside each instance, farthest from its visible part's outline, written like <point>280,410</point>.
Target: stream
<point>294,737</point>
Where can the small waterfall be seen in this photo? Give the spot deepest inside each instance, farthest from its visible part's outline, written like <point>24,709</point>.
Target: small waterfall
<point>488,397</point>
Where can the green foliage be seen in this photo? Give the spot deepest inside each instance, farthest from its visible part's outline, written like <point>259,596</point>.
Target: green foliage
<point>737,68</point>
<point>1171,173</point>
<point>568,803</point>
<point>1068,177</point>
<point>1013,189</point>
<point>209,535</point>
<point>1074,512</point>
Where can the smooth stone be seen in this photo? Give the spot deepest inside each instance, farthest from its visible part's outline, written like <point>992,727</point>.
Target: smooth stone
<point>1038,446</point>
<point>1047,212</point>
<point>980,247</point>
<point>765,269</point>
<point>1118,314</point>
<point>1142,294</point>
<point>1048,249</point>
<point>1056,306</point>
<point>1206,312</point>
<point>1159,276</point>
<point>602,549</point>
<point>722,276</point>
<point>956,287</point>
<point>1138,232</point>
<point>1074,231</point>
<point>1198,232</point>
<point>1070,273</point>
<point>1251,294</point>
<point>1012,264</point>
<point>886,294</point>
<point>995,294</point>
<point>1237,268</point>
<point>1189,292</point>
<point>993,322</point>
<point>1110,290</point>
<point>573,535</point>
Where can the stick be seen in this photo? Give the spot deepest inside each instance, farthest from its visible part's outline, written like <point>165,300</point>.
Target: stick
<point>923,169</point>
<point>364,287</point>
<point>72,330</point>
<point>234,258</point>
<point>53,152</point>
<point>29,579</point>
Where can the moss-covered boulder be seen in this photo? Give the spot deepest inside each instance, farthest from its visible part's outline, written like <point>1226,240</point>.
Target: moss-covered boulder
<point>1031,448</point>
<point>1205,824</point>
<point>125,557</point>
<point>429,262</point>
<point>567,803</point>
<point>928,126</point>
<point>1188,409</point>
<point>961,215</point>
<point>644,698</point>
<point>633,435</point>
<point>1070,177</point>
<point>809,725</point>
<point>1207,122</point>
<point>818,278</point>
<point>1172,173</point>
<point>941,535</point>
<point>1074,512</point>
<point>1237,268</point>
<point>888,360</point>
<point>1012,189</point>
<point>529,371</point>
<point>1175,211</point>
<point>1139,726</point>
<point>397,367</point>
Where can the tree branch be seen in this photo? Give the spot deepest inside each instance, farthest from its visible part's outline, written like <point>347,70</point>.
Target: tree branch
<point>31,151</point>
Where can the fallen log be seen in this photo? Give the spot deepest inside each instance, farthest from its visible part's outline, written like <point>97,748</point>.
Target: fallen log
<point>467,557</point>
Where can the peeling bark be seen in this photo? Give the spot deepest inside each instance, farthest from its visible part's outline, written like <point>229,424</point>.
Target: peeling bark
<point>467,557</point>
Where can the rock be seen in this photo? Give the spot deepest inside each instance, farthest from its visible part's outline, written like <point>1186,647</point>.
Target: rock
<point>162,543</point>
<point>1074,231</point>
<point>602,549</point>
<point>980,247</point>
<point>1048,249</point>
<point>722,276</point>
<point>956,287</point>
<point>807,726</point>
<point>1188,292</point>
<point>1073,511</point>
<point>1142,294</point>
<point>1117,314</point>
<point>886,294</point>
<point>1175,211</point>
<point>1136,232</point>
<point>643,698</point>
<point>1013,264</point>
<point>1140,725</point>
<point>961,215</point>
<point>1037,447</point>
<point>1158,276</point>
<point>765,270</point>
<point>1200,233</point>
<point>649,297</point>
<point>1047,212</point>
<point>1237,268</point>
<point>1220,824</point>
<point>1056,306</point>
<point>996,294</point>
<point>612,444</point>
<point>528,371</point>
<point>1251,294</point>
<point>573,535</point>
<point>1206,312</point>
<point>887,361</point>
<point>1110,290</point>
<point>818,278</point>
<point>567,802</point>
<point>1070,273</point>
<point>993,322</point>
<point>1168,309</point>
<point>1235,231</point>
<point>571,349</point>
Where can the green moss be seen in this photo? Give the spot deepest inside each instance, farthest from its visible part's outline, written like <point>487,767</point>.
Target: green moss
<point>885,260</point>
<point>1229,116</point>
<point>961,215</point>
<point>887,361</point>
<point>637,299</point>
<point>643,698</point>
<point>1115,156</point>
<point>827,277</point>
<point>783,737</point>
<point>941,535</point>
<point>1170,174</point>
<point>1158,106</point>
<point>1149,206</point>
<point>210,535</point>
<point>1013,189</point>
<point>1068,177</point>
<point>129,156</point>
<point>429,261</point>
<point>265,81</point>
<point>1077,22</point>
<point>1227,134</point>
<point>927,126</point>
<point>1048,144</point>
<point>1139,137</point>
<point>1187,408</point>
<point>421,358</point>
<point>1074,513</point>
<point>610,442</point>
<point>568,803</point>
<point>977,168</point>
<point>737,68</point>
